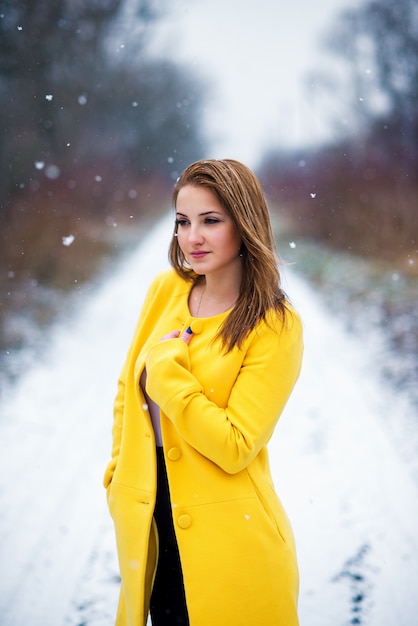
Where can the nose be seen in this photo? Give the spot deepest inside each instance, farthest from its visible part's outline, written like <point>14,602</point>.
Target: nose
<point>195,234</point>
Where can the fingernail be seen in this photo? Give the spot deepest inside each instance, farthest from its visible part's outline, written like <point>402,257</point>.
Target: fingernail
<point>189,330</point>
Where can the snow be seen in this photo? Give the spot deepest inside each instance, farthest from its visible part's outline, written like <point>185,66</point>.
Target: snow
<point>347,482</point>
<point>68,240</point>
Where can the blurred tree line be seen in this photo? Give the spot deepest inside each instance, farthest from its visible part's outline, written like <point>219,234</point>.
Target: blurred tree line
<point>93,130</point>
<point>361,193</point>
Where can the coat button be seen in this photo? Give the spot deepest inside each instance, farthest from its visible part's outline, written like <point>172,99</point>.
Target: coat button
<point>174,454</point>
<point>184,521</point>
<point>196,326</point>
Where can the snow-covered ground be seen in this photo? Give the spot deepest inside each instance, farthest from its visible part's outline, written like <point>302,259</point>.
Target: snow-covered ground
<point>344,458</point>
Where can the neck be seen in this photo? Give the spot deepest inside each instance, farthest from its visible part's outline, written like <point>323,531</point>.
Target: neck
<point>218,293</point>
<point>224,283</point>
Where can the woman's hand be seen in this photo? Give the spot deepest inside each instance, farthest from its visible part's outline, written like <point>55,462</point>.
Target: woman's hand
<point>185,336</point>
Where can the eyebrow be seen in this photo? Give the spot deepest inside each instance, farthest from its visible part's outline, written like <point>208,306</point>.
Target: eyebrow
<point>201,214</point>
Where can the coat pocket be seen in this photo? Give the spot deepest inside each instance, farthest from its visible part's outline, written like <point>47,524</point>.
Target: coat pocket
<point>266,508</point>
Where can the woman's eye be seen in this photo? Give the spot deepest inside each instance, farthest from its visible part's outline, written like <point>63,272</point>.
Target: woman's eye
<point>181,222</point>
<point>211,220</point>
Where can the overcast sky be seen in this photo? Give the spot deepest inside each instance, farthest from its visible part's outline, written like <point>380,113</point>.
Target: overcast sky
<point>256,53</point>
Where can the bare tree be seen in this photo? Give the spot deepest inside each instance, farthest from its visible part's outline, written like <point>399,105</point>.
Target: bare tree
<point>377,44</point>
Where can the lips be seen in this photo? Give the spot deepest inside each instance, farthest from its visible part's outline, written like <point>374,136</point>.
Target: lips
<point>198,254</point>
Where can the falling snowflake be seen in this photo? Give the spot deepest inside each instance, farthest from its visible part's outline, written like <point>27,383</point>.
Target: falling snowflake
<point>292,244</point>
<point>52,172</point>
<point>39,165</point>
<point>68,240</point>
<point>313,195</point>
<point>49,97</point>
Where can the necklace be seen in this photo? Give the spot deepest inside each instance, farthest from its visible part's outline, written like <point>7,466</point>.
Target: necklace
<point>200,301</point>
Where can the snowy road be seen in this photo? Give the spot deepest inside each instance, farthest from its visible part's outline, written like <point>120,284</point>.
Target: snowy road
<point>342,457</point>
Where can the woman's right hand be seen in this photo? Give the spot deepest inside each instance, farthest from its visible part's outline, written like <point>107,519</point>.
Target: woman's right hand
<point>186,336</point>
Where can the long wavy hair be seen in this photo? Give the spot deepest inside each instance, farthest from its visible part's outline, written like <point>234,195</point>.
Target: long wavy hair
<point>240,193</point>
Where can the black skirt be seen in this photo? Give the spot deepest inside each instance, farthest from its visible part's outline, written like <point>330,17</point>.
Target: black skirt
<point>168,602</point>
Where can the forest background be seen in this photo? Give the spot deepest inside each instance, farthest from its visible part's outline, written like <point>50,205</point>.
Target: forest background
<point>95,130</point>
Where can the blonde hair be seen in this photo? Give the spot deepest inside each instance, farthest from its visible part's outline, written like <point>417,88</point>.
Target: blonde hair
<point>240,193</point>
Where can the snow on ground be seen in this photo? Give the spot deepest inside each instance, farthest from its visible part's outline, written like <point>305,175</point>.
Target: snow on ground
<point>338,459</point>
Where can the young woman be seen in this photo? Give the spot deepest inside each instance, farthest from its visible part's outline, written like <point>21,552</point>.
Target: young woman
<point>202,537</point>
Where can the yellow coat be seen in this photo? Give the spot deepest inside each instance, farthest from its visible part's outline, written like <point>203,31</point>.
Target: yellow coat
<point>217,414</point>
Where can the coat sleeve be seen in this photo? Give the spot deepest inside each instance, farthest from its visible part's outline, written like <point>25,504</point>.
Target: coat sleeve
<point>231,437</point>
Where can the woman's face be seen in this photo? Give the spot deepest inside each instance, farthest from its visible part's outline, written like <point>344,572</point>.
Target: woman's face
<point>206,233</point>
